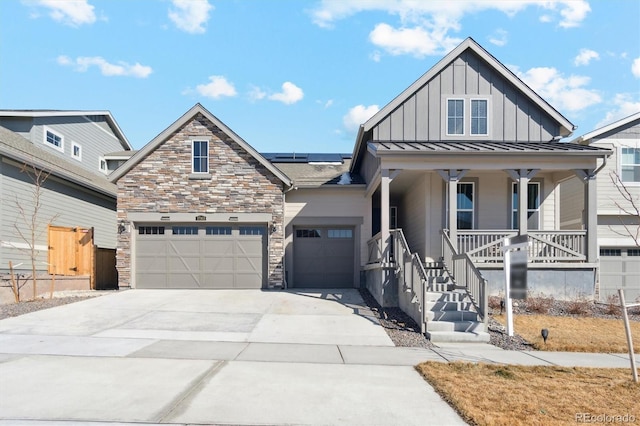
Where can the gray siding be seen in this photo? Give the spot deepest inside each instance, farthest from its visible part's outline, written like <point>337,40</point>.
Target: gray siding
<point>413,215</point>
<point>571,204</point>
<point>92,133</point>
<point>66,204</point>
<point>512,116</point>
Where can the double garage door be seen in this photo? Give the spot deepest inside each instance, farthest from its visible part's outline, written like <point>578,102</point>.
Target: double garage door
<point>620,268</point>
<point>201,256</point>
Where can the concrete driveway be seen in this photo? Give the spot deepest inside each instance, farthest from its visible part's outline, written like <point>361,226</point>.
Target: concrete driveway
<point>212,357</point>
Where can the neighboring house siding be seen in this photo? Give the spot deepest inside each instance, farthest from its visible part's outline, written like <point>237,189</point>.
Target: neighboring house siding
<point>63,204</point>
<point>512,116</point>
<point>160,183</point>
<point>609,196</point>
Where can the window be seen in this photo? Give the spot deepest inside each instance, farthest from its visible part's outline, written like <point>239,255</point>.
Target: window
<point>479,117</point>
<point>610,252</point>
<point>308,233</point>
<point>76,151</point>
<point>455,117</point>
<point>218,230</point>
<point>633,252</point>
<point>200,154</point>
<point>630,165</point>
<point>465,205</point>
<point>54,140</point>
<point>184,230</point>
<point>102,164</point>
<point>340,233</point>
<point>151,230</point>
<point>533,206</point>
<point>252,230</point>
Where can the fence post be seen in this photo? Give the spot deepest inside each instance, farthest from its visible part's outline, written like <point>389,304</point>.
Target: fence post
<point>627,328</point>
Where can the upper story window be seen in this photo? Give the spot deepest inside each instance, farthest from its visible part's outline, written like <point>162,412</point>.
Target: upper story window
<point>533,205</point>
<point>102,165</point>
<point>630,165</point>
<point>465,214</point>
<point>76,151</point>
<point>479,117</point>
<point>53,139</point>
<point>200,156</point>
<point>455,117</point>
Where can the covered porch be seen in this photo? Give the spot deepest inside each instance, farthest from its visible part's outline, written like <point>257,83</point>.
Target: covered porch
<point>457,202</point>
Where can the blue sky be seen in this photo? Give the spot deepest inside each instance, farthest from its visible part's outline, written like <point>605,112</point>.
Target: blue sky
<point>299,76</point>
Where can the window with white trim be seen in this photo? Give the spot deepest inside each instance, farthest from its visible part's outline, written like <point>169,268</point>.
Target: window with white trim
<point>102,165</point>
<point>630,164</point>
<point>200,156</point>
<point>533,205</point>
<point>54,140</point>
<point>466,211</point>
<point>479,113</point>
<point>455,116</point>
<point>76,151</point>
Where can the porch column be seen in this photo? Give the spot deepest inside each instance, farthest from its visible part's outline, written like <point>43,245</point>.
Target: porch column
<point>591,212</point>
<point>522,176</point>
<point>452,177</point>
<point>385,181</point>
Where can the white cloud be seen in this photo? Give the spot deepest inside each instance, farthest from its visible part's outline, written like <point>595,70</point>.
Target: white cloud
<point>358,115</point>
<point>190,15</point>
<point>290,94</point>
<point>585,56</point>
<point>69,12</point>
<point>563,93</point>
<point>635,67</point>
<point>256,93</point>
<point>499,37</point>
<point>425,25</point>
<point>83,63</point>
<point>624,107</point>
<point>217,87</point>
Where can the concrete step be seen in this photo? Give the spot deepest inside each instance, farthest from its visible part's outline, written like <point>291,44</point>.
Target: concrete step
<point>441,287</point>
<point>457,337</point>
<point>448,296</point>
<point>452,316</point>
<point>461,326</point>
<point>449,306</point>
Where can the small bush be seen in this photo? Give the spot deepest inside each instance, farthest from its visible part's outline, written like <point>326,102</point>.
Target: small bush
<point>612,307</point>
<point>579,306</point>
<point>494,302</point>
<point>539,305</point>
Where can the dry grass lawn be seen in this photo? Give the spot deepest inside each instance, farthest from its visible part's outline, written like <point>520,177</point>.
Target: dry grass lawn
<point>575,334</point>
<point>487,394</point>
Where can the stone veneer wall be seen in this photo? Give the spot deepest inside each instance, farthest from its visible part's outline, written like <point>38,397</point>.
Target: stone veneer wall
<point>239,184</point>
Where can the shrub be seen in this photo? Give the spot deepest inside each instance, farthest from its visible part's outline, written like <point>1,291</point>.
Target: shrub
<point>539,304</point>
<point>612,307</point>
<point>579,306</point>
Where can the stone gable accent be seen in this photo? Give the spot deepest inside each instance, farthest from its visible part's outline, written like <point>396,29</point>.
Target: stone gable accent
<point>163,183</point>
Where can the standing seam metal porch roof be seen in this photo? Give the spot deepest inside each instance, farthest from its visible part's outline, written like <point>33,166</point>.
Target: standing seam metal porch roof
<point>484,148</point>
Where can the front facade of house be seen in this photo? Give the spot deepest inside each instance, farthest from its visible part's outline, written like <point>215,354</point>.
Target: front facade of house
<point>618,221</point>
<point>66,146</point>
<point>445,162</point>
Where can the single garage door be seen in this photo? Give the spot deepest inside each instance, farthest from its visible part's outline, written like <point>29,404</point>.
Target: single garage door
<point>201,256</point>
<point>620,268</point>
<point>323,257</point>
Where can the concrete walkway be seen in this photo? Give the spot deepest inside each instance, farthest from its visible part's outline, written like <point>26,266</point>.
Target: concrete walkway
<point>228,357</point>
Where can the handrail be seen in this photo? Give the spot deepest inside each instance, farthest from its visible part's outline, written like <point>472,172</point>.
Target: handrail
<point>462,269</point>
<point>410,271</point>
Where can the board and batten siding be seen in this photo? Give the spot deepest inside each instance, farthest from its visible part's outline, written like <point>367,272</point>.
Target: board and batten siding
<point>413,214</point>
<point>67,204</point>
<point>512,116</point>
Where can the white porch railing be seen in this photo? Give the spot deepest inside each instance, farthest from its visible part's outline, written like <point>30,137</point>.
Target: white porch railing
<point>463,271</point>
<point>546,246</point>
<point>375,250</point>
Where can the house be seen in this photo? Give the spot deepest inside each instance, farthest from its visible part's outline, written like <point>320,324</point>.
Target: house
<point>618,220</point>
<point>463,158</point>
<point>68,147</point>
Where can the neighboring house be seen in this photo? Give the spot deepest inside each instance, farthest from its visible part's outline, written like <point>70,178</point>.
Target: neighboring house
<point>68,146</point>
<point>618,221</point>
<point>464,157</point>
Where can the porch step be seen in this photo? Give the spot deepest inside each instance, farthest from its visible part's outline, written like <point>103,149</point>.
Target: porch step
<point>460,326</point>
<point>458,337</point>
<point>448,296</point>
<point>451,317</point>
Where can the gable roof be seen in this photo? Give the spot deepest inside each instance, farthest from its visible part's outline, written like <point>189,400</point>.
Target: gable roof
<point>606,129</point>
<point>16,147</point>
<point>566,127</point>
<point>71,113</point>
<point>316,170</point>
<point>188,116</point>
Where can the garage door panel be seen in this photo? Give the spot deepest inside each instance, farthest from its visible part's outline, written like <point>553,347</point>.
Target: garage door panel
<point>619,268</point>
<point>201,257</point>
<point>324,257</point>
